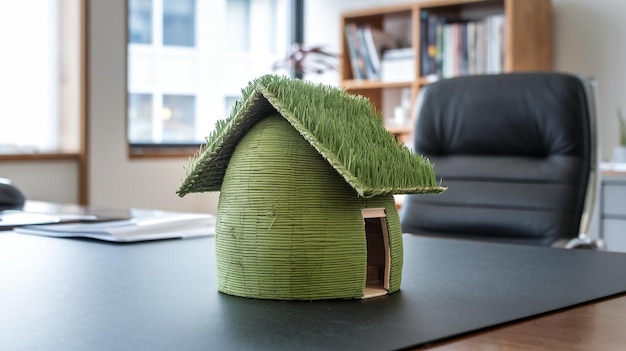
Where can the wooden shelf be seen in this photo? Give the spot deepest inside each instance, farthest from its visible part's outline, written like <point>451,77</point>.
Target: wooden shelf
<point>374,84</point>
<point>352,84</point>
<point>379,11</point>
<point>527,45</point>
<point>399,130</point>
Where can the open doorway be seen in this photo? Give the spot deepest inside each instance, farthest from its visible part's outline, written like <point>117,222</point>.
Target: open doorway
<point>378,252</point>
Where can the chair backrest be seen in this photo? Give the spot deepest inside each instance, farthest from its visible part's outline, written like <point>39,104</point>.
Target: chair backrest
<point>516,152</point>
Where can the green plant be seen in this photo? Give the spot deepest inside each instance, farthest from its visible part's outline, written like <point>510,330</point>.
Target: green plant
<point>622,127</point>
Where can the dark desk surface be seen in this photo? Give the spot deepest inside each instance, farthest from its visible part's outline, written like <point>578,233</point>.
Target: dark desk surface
<point>72,294</point>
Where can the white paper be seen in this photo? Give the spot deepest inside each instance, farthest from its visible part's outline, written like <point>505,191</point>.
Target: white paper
<point>166,226</point>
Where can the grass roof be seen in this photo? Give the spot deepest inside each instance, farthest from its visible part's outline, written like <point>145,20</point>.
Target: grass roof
<point>342,127</point>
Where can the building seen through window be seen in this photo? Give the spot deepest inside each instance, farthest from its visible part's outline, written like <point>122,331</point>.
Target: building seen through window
<point>140,21</point>
<point>189,59</point>
<point>179,23</point>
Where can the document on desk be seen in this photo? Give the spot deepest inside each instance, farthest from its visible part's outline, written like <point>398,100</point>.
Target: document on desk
<point>169,226</point>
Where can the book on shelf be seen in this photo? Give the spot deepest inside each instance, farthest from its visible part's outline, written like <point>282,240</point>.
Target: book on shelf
<point>356,60</point>
<point>365,47</point>
<point>456,46</point>
<point>370,58</point>
<point>425,62</point>
<point>429,43</point>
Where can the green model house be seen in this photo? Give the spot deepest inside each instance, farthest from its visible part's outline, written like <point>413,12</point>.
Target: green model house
<point>306,211</point>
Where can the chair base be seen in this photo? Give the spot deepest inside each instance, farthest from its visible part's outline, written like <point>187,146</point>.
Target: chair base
<point>584,242</point>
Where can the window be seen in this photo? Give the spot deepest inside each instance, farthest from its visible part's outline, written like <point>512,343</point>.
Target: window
<point>238,14</point>
<point>140,21</point>
<point>189,59</point>
<point>179,113</point>
<point>140,117</point>
<point>179,23</point>
<point>40,70</point>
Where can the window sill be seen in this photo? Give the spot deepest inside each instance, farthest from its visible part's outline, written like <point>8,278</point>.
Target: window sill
<point>136,152</point>
<point>40,157</point>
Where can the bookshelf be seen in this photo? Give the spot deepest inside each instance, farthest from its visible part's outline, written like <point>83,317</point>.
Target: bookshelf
<point>525,45</point>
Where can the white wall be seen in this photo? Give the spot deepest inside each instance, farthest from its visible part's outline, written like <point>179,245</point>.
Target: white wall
<point>116,180</point>
<point>588,39</point>
<point>54,180</point>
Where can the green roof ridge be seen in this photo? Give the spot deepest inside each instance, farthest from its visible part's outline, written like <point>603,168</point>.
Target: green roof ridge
<point>373,163</point>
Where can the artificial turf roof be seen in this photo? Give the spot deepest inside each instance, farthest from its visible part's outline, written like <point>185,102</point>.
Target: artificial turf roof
<point>342,127</point>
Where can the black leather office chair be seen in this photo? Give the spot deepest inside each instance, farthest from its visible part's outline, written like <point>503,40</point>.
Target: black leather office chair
<point>517,152</point>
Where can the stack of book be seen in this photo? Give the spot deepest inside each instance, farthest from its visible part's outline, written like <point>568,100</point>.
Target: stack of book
<point>398,65</point>
<point>452,47</point>
<point>365,47</point>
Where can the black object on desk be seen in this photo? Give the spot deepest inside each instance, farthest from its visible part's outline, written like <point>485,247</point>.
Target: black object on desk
<point>11,198</point>
<point>59,294</point>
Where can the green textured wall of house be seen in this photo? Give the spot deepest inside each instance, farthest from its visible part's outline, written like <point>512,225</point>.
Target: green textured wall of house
<point>289,226</point>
